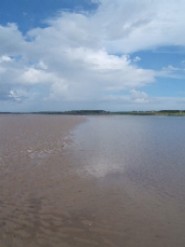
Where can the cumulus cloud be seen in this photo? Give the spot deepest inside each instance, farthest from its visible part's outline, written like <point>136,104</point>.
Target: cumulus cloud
<point>139,96</point>
<point>141,24</point>
<point>11,40</point>
<point>75,58</point>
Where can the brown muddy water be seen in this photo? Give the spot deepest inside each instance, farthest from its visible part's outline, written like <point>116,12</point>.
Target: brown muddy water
<point>98,181</point>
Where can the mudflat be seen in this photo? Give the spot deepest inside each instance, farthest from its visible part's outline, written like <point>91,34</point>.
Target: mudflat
<point>58,191</point>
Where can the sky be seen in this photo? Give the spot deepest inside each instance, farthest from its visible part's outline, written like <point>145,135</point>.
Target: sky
<point>58,55</point>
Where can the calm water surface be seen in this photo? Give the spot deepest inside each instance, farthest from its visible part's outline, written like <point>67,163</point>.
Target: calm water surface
<point>151,150</point>
<point>143,159</point>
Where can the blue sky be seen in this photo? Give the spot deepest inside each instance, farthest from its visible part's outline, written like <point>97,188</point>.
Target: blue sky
<point>29,14</point>
<point>98,54</point>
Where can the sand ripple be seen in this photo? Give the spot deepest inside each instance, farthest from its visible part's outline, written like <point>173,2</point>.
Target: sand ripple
<point>35,224</point>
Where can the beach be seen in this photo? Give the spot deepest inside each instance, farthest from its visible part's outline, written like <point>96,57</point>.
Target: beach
<point>63,185</point>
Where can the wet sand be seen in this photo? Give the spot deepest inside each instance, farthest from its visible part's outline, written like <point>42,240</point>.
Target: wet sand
<point>46,202</point>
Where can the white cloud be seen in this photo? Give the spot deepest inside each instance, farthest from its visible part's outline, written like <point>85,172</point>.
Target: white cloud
<point>69,72</point>
<point>139,96</point>
<point>141,24</point>
<point>172,72</point>
<point>5,59</point>
<point>37,76</point>
<point>11,40</point>
<point>74,57</point>
<point>17,95</point>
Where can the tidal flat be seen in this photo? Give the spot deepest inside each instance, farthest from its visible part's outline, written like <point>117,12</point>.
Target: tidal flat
<point>92,181</point>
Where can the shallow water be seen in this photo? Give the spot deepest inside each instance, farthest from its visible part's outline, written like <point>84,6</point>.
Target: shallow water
<point>142,159</point>
<point>110,181</point>
<point>150,149</point>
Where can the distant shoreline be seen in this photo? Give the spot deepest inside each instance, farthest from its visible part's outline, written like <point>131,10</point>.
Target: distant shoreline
<point>102,112</point>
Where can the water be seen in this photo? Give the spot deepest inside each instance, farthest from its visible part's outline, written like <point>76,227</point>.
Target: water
<point>151,150</point>
<point>104,181</point>
<point>144,158</point>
